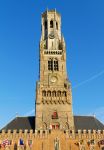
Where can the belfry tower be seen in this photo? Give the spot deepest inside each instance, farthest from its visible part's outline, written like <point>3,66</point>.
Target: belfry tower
<point>53,90</point>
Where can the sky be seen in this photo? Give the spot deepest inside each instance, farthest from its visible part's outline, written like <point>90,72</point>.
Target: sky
<point>20,31</point>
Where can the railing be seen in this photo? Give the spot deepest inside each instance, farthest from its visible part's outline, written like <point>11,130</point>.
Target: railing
<point>53,52</point>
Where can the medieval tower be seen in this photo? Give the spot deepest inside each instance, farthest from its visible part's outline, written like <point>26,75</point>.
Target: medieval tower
<point>53,90</point>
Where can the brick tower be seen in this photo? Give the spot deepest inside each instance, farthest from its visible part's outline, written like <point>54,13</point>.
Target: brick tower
<point>53,90</point>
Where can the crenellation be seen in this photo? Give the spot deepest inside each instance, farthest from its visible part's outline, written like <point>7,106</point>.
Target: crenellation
<point>75,139</point>
<point>79,134</point>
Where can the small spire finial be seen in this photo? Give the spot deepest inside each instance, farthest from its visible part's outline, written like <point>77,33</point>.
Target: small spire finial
<point>94,115</point>
<point>16,114</point>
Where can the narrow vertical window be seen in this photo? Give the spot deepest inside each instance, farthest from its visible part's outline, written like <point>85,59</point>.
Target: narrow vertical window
<point>45,25</point>
<point>56,25</point>
<point>50,65</point>
<point>56,65</point>
<point>64,93</point>
<point>54,93</point>
<point>51,24</point>
<point>43,93</point>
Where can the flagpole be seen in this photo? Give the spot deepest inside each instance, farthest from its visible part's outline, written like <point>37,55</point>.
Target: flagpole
<point>42,145</point>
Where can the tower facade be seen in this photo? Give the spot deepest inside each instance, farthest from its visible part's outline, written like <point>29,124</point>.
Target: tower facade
<point>53,90</point>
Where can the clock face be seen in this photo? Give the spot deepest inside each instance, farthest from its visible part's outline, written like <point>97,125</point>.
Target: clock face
<point>53,79</point>
<point>51,35</point>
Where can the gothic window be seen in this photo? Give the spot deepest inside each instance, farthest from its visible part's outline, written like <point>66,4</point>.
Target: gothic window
<point>49,93</point>
<point>51,24</point>
<point>45,25</point>
<point>64,93</point>
<point>43,93</point>
<point>56,65</point>
<point>53,65</point>
<point>54,93</point>
<point>50,65</point>
<point>59,93</point>
<point>56,25</point>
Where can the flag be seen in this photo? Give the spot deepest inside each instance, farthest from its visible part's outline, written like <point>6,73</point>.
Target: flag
<point>101,142</point>
<point>91,142</point>
<point>80,142</point>
<point>21,142</point>
<point>30,142</point>
<point>5,142</point>
<point>76,143</point>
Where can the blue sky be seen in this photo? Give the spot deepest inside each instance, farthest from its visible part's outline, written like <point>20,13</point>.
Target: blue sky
<point>20,31</point>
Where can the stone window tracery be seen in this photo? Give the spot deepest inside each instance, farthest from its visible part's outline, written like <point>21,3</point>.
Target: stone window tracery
<point>44,93</point>
<point>53,65</point>
<point>50,65</point>
<point>54,93</point>
<point>49,93</point>
<point>64,93</point>
<point>56,65</point>
<point>59,93</point>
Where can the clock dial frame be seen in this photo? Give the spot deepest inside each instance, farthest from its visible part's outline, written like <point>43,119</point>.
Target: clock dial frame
<point>51,35</point>
<point>53,79</point>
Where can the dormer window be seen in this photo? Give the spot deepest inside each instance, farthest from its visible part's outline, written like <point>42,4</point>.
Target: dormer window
<point>51,24</point>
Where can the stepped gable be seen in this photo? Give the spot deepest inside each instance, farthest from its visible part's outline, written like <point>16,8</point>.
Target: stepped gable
<point>87,123</point>
<point>81,123</point>
<point>21,123</point>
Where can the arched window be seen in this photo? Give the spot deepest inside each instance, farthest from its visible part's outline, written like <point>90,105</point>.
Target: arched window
<point>50,65</point>
<point>59,93</point>
<point>45,25</point>
<point>43,93</point>
<point>48,93</point>
<point>51,24</point>
<point>56,65</point>
<point>54,93</point>
<point>56,25</point>
<point>64,93</point>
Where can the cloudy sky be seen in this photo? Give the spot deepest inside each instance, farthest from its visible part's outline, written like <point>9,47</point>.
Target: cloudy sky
<point>20,31</point>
